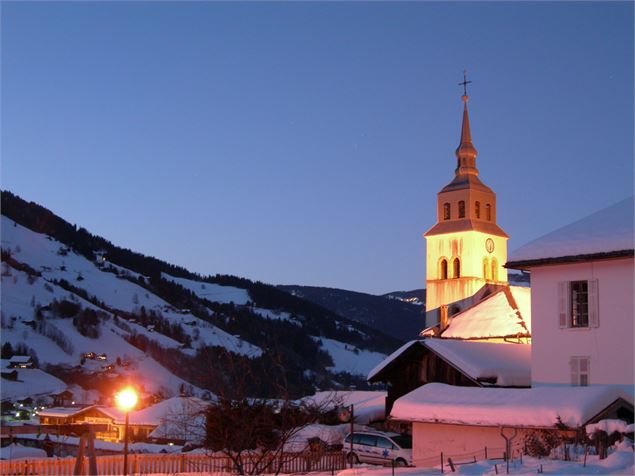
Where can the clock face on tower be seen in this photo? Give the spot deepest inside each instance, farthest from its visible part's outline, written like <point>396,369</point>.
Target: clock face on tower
<point>489,245</point>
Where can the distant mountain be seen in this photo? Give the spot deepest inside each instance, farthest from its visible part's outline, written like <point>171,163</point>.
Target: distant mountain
<point>392,314</point>
<point>67,293</point>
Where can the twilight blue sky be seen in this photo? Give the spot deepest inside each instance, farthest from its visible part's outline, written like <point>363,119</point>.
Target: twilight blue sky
<point>305,142</point>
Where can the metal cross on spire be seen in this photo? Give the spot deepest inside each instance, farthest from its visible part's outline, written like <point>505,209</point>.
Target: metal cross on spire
<point>465,82</point>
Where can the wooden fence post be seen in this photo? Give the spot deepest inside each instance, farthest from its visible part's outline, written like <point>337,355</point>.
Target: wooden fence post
<point>451,464</point>
<point>442,462</point>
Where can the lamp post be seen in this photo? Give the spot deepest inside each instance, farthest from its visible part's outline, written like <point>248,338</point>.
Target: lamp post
<point>126,400</point>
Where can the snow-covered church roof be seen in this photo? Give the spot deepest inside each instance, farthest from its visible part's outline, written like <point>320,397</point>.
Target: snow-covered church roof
<point>537,407</point>
<point>606,232</point>
<point>505,313</point>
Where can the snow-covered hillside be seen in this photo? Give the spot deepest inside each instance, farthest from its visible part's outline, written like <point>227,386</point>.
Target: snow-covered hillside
<point>55,261</point>
<point>348,358</point>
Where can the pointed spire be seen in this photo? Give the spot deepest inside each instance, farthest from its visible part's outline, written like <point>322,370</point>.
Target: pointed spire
<point>466,152</point>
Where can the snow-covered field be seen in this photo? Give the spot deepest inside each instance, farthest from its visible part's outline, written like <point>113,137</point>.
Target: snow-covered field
<point>211,292</point>
<point>348,358</point>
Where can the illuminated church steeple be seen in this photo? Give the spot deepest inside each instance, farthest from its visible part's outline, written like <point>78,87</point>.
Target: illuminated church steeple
<point>465,248</point>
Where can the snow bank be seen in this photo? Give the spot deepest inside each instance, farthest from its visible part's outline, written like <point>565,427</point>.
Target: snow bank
<point>508,364</point>
<point>537,407</point>
<point>609,426</point>
<point>368,406</point>
<point>607,230</point>
<point>329,434</point>
<point>17,451</point>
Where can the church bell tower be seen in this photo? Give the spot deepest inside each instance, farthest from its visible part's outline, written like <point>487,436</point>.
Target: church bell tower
<point>465,249</point>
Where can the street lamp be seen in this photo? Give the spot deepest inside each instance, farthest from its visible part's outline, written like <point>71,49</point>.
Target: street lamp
<point>126,400</point>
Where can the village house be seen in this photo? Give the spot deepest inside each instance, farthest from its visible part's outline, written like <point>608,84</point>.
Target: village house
<point>20,362</point>
<point>174,420</point>
<point>582,300</point>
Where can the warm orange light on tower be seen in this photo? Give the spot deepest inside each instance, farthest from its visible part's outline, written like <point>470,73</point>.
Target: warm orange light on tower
<point>126,399</point>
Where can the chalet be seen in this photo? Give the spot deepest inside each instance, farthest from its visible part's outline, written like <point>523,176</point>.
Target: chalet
<point>62,399</point>
<point>177,419</point>
<point>20,362</point>
<point>453,362</point>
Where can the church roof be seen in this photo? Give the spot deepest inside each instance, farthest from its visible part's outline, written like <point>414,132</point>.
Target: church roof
<point>454,226</point>
<point>464,181</point>
<point>607,233</point>
<point>505,313</point>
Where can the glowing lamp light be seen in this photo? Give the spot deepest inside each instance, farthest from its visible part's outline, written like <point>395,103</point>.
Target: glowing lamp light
<point>126,399</point>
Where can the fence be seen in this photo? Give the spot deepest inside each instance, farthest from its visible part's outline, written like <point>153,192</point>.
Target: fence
<point>177,463</point>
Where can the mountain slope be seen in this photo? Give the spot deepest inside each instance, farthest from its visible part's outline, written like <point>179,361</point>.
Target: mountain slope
<point>188,329</point>
<point>395,317</point>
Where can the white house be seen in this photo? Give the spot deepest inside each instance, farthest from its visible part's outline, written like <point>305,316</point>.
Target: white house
<point>582,300</point>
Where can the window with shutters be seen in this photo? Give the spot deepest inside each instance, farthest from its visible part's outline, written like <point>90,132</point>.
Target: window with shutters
<point>494,269</point>
<point>580,370</point>
<point>488,212</point>
<point>578,304</point>
<point>477,209</point>
<point>485,268</point>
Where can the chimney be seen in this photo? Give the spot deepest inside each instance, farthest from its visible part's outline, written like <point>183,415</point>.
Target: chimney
<point>443,317</point>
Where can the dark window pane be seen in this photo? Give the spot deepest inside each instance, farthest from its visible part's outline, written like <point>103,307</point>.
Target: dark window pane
<point>579,304</point>
<point>383,443</point>
<point>404,441</point>
<point>369,440</point>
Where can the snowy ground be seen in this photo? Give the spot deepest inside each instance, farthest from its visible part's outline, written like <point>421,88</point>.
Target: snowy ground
<point>620,462</point>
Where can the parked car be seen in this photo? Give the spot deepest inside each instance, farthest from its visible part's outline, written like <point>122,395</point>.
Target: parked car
<point>377,447</point>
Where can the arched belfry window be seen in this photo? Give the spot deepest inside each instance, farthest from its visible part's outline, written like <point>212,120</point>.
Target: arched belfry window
<point>457,268</point>
<point>488,212</point>
<point>494,269</point>
<point>485,268</point>
<point>446,211</point>
<point>461,209</point>
<point>477,209</point>
<point>443,269</point>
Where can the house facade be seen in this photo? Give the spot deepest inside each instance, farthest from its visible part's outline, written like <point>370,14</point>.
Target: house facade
<point>582,300</point>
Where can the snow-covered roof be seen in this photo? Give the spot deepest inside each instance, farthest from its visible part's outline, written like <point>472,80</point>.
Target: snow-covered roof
<point>20,359</point>
<point>60,412</point>
<point>369,406</point>
<point>494,316</point>
<point>508,365</point>
<point>537,407</point>
<point>391,358</point>
<point>179,418</point>
<point>604,232</point>
<point>166,410</point>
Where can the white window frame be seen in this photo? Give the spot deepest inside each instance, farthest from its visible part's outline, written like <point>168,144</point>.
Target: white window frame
<point>564,304</point>
<point>580,370</point>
